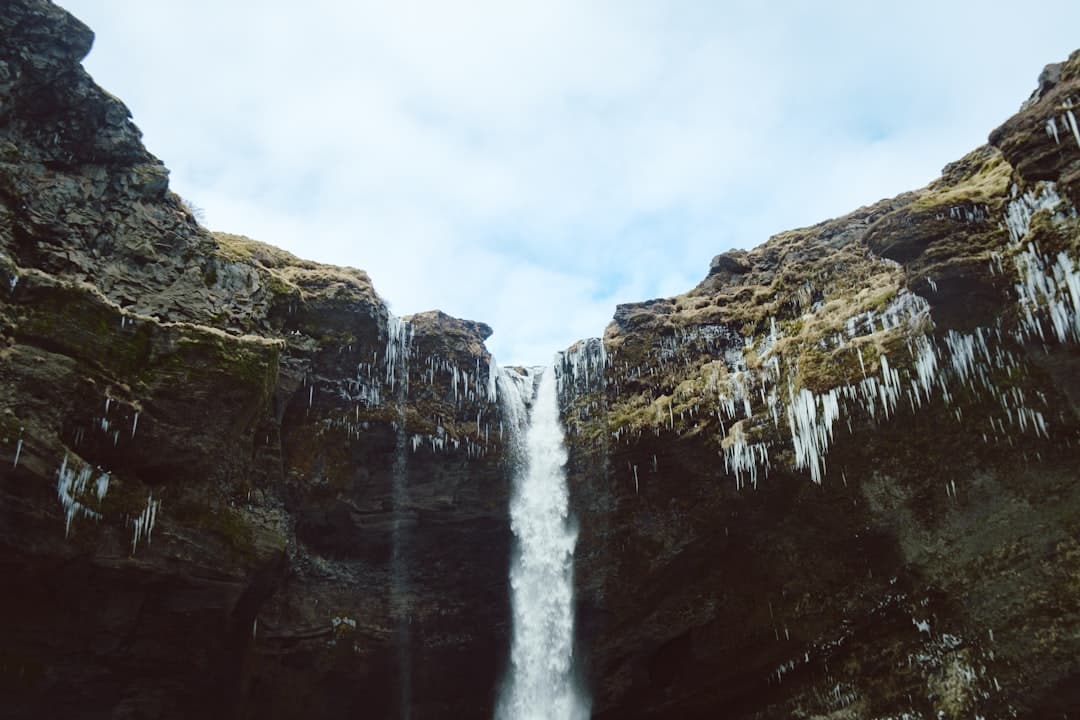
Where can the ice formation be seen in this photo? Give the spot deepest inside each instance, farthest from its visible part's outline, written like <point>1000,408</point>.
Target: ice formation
<point>144,522</point>
<point>1048,286</point>
<point>936,367</point>
<point>71,486</point>
<point>581,368</point>
<point>398,337</point>
<point>742,459</point>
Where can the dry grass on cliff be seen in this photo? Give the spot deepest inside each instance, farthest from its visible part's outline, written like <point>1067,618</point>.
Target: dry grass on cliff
<point>304,276</point>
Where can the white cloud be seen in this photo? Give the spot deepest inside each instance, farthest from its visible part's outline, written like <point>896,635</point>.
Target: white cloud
<point>531,164</point>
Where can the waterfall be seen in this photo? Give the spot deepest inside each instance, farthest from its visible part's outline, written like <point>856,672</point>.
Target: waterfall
<point>399,336</point>
<point>540,684</point>
<point>399,570</point>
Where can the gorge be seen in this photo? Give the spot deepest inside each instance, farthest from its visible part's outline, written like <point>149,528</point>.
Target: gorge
<point>836,479</point>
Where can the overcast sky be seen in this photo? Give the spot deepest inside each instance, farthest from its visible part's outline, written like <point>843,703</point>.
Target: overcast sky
<point>532,164</point>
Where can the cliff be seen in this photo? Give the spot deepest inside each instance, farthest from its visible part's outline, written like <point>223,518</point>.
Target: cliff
<point>217,497</point>
<point>837,479</point>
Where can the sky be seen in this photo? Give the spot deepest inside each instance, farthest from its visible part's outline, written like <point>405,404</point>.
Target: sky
<point>533,164</point>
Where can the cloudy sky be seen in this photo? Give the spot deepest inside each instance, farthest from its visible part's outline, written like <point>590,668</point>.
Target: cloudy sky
<point>532,164</point>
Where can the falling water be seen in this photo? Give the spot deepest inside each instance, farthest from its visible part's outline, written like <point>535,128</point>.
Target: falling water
<point>399,334</point>
<point>540,683</point>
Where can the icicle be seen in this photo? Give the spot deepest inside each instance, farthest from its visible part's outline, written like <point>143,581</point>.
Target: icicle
<point>809,435</point>
<point>398,337</point>
<point>1072,125</point>
<point>144,523</point>
<point>70,485</point>
<point>1051,129</point>
<point>741,457</point>
<point>492,386</point>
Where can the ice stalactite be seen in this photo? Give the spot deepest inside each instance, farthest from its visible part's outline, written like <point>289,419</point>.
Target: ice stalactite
<point>581,368</point>
<point>1052,130</point>
<point>71,484</point>
<point>742,459</point>
<point>1048,286</point>
<point>144,523</point>
<point>1070,121</point>
<point>811,418</point>
<point>398,337</point>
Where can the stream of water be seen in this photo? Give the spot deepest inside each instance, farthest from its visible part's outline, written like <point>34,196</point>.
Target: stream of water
<point>540,683</point>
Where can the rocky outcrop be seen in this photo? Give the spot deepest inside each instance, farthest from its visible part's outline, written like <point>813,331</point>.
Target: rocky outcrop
<point>839,477</point>
<point>232,484</point>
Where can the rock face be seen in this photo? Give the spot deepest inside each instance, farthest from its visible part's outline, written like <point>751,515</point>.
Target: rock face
<point>232,484</point>
<point>839,478</point>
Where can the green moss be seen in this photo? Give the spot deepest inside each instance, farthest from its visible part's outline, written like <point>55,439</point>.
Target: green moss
<point>9,151</point>
<point>821,370</point>
<point>881,301</point>
<point>239,248</point>
<point>985,182</point>
<point>224,522</point>
<point>202,353</point>
<point>278,285</point>
<point>78,322</point>
<point>334,340</point>
<point>125,498</point>
<point>11,428</point>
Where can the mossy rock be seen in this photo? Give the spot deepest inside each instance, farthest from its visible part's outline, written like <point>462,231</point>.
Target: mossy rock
<point>227,524</point>
<point>75,320</point>
<point>982,177</point>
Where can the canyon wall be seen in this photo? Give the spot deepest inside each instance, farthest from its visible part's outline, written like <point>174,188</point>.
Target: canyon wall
<point>837,479</point>
<point>232,484</point>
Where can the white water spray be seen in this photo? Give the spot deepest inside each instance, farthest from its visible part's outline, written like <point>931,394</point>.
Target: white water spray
<point>540,685</point>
